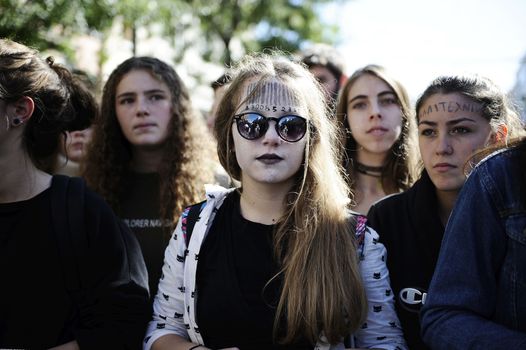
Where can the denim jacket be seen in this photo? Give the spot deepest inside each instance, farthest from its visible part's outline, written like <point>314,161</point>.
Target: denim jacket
<point>477,298</point>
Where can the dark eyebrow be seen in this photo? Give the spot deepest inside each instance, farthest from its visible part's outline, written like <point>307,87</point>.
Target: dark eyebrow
<point>357,97</point>
<point>147,92</point>
<point>380,94</point>
<point>155,91</point>
<point>126,94</point>
<point>460,120</point>
<point>449,123</point>
<point>384,93</point>
<point>420,122</point>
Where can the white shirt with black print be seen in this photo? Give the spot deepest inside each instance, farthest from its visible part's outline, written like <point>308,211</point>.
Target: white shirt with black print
<point>174,307</point>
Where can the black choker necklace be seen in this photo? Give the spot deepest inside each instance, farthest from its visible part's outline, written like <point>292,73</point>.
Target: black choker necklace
<point>375,171</point>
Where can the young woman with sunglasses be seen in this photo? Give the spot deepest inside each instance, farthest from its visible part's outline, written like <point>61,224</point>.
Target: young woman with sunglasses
<point>150,154</point>
<point>65,285</point>
<point>380,148</point>
<point>456,115</point>
<point>279,263</point>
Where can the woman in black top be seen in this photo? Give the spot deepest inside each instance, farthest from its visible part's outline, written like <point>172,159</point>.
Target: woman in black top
<point>456,115</point>
<point>280,262</point>
<point>72,276</point>
<point>150,155</point>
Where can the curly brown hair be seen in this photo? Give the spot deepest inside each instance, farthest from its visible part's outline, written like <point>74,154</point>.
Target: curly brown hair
<point>184,169</point>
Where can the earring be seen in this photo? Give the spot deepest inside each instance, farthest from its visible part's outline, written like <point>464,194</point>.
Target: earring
<point>17,121</point>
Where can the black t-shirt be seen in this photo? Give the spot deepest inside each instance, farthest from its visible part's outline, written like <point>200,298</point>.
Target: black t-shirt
<point>37,310</point>
<point>31,275</point>
<point>235,306</point>
<point>140,211</point>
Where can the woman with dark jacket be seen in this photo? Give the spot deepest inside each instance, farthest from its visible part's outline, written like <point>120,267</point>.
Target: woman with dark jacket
<point>72,276</point>
<point>456,115</point>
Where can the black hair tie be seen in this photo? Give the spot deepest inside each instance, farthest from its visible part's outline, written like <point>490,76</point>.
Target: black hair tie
<point>50,61</point>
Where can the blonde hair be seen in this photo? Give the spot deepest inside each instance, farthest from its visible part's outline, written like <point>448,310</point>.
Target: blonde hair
<point>314,240</point>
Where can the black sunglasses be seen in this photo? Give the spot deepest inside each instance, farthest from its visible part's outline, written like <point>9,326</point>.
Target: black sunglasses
<point>252,126</point>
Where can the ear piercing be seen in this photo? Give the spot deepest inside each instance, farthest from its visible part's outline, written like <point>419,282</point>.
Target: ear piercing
<point>14,122</point>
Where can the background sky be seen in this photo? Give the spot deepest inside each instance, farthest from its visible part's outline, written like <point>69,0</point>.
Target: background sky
<point>417,40</point>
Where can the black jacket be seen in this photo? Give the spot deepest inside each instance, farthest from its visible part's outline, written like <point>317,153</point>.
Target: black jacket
<point>411,230</point>
<point>87,284</point>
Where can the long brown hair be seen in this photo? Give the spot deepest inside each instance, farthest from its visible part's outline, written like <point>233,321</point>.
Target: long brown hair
<point>184,169</point>
<point>314,241</point>
<point>400,168</point>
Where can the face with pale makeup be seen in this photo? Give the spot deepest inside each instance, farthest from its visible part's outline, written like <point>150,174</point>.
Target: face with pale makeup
<point>268,159</point>
<point>374,117</point>
<point>450,129</point>
<point>143,105</point>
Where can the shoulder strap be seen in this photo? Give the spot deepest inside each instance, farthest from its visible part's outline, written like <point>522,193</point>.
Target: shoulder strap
<point>359,222</point>
<point>67,210</point>
<point>361,225</point>
<point>191,219</point>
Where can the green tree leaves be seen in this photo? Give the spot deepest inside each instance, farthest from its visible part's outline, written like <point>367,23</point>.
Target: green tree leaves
<point>224,25</point>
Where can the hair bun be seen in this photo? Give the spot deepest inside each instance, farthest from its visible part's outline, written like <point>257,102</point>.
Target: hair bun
<point>50,60</point>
